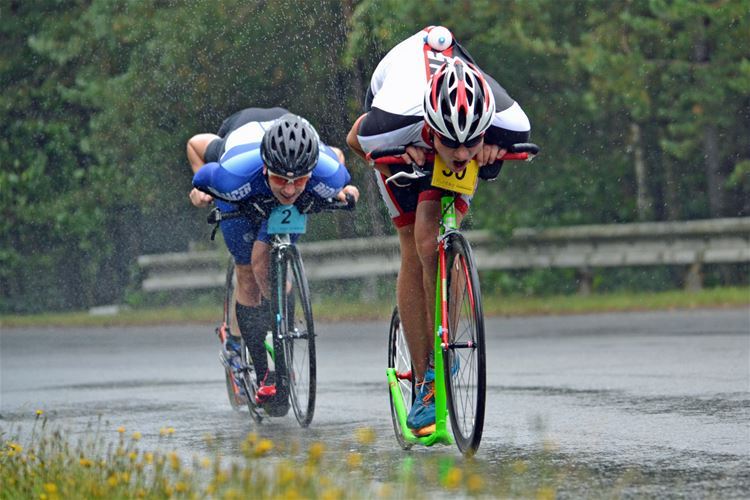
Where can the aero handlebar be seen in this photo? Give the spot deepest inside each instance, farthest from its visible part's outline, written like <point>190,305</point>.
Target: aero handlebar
<point>392,156</point>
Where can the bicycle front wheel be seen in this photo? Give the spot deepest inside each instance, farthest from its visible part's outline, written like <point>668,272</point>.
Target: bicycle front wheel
<point>299,339</point>
<point>400,360</point>
<point>464,358</point>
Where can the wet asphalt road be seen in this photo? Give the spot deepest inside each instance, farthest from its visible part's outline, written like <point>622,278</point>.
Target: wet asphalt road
<point>665,393</point>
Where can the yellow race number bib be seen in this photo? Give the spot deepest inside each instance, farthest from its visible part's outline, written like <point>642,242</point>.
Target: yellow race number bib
<point>464,182</point>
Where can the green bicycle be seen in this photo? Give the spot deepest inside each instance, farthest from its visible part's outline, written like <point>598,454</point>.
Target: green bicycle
<point>459,348</point>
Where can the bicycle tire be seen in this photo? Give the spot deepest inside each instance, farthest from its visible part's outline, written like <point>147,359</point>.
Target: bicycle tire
<point>299,339</point>
<point>399,359</point>
<point>246,381</point>
<point>464,360</point>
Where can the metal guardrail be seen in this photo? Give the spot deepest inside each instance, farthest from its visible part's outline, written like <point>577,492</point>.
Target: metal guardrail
<point>689,243</point>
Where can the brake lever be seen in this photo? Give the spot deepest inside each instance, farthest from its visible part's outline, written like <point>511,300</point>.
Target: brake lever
<point>416,173</point>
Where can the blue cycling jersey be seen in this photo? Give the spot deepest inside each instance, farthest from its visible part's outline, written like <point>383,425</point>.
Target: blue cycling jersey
<point>238,176</point>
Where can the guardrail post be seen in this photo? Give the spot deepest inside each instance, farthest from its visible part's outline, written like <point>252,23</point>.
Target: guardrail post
<point>694,277</point>
<point>585,280</point>
<point>369,290</point>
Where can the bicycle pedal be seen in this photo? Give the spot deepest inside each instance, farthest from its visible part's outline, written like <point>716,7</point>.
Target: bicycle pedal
<point>424,431</point>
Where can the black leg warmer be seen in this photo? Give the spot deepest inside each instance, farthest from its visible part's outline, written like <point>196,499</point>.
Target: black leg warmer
<point>254,322</point>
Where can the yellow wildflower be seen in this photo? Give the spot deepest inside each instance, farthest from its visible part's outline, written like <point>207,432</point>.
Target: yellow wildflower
<point>121,429</point>
<point>316,451</point>
<point>39,413</point>
<point>519,466</point>
<point>50,487</point>
<point>354,460</point>
<point>475,484</point>
<point>263,447</point>
<point>332,494</point>
<point>386,491</point>
<point>452,478</point>
<point>285,474</point>
<point>365,435</point>
<point>85,462</point>
<point>232,494</point>
<point>174,460</point>
<point>545,493</point>
<point>136,436</point>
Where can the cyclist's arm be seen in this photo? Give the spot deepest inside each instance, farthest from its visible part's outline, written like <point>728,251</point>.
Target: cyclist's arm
<point>353,141</point>
<point>236,185</point>
<point>196,150</point>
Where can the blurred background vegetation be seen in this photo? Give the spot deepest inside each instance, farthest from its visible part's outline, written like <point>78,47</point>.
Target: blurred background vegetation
<point>642,108</point>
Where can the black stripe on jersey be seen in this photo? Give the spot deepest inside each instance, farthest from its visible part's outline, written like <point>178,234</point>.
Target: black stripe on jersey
<point>248,115</point>
<point>502,100</point>
<point>378,121</point>
<point>504,138</point>
<point>368,99</point>
<point>462,53</point>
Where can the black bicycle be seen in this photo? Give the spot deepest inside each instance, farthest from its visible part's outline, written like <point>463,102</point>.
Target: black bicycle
<point>291,348</point>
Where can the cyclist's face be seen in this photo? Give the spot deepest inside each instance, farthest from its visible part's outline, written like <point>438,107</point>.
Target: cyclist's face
<point>458,157</point>
<point>286,190</point>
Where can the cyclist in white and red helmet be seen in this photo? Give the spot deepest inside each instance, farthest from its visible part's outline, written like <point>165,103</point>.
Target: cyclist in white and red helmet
<point>428,94</point>
<point>458,104</point>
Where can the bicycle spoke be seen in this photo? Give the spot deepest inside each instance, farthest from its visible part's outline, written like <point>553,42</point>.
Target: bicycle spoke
<point>299,342</point>
<point>400,360</point>
<point>465,368</point>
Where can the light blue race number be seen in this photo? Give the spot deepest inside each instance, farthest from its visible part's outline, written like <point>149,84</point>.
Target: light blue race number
<point>286,219</point>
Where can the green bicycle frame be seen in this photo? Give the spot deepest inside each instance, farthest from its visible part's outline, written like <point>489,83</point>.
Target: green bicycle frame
<point>441,435</point>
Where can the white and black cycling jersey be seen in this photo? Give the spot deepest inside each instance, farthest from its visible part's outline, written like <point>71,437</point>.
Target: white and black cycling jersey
<point>396,92</point>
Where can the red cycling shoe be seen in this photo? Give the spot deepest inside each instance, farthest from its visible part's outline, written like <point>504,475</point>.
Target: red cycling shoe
<point>265,392</point>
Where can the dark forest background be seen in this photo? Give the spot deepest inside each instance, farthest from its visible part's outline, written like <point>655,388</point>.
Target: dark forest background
<point>642,108</point>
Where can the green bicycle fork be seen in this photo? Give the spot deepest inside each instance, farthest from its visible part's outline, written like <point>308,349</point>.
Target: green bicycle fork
<point>441,434</point>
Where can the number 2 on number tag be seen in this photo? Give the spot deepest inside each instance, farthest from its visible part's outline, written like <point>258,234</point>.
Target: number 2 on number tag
<point>286,219</point>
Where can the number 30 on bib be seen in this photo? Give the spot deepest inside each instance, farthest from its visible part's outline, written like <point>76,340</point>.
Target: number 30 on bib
<point>464,182</point>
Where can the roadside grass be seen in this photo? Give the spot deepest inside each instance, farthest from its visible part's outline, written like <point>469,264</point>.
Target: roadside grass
<point>49,465</point>
<point>330,308</point>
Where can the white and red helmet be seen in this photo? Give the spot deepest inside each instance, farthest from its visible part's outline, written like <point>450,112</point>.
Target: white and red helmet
<point>458,103</point>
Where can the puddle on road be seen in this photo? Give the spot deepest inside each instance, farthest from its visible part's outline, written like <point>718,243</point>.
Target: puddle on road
<point>505,470</point>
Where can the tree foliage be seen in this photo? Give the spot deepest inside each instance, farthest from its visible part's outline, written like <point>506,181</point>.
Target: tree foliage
<point>642,108</point>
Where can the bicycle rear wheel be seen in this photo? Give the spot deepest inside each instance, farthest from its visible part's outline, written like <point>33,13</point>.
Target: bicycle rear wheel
<point>299,339</point>
<point>464,358</point>
<point>400,360</point>
<point>245,380</point>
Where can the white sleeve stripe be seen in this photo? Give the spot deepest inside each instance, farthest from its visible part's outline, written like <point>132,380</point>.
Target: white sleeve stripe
<point>513,119</point>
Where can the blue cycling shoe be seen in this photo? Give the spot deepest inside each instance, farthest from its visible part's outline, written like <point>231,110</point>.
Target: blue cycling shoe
<point>421,419</point>
<point>455,365</point>
<point>231,353</point>
<point>232,360</point>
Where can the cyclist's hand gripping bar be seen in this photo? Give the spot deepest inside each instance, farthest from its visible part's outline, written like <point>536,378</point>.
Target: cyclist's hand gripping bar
<point>392,156</point>
<point>255,211</point>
